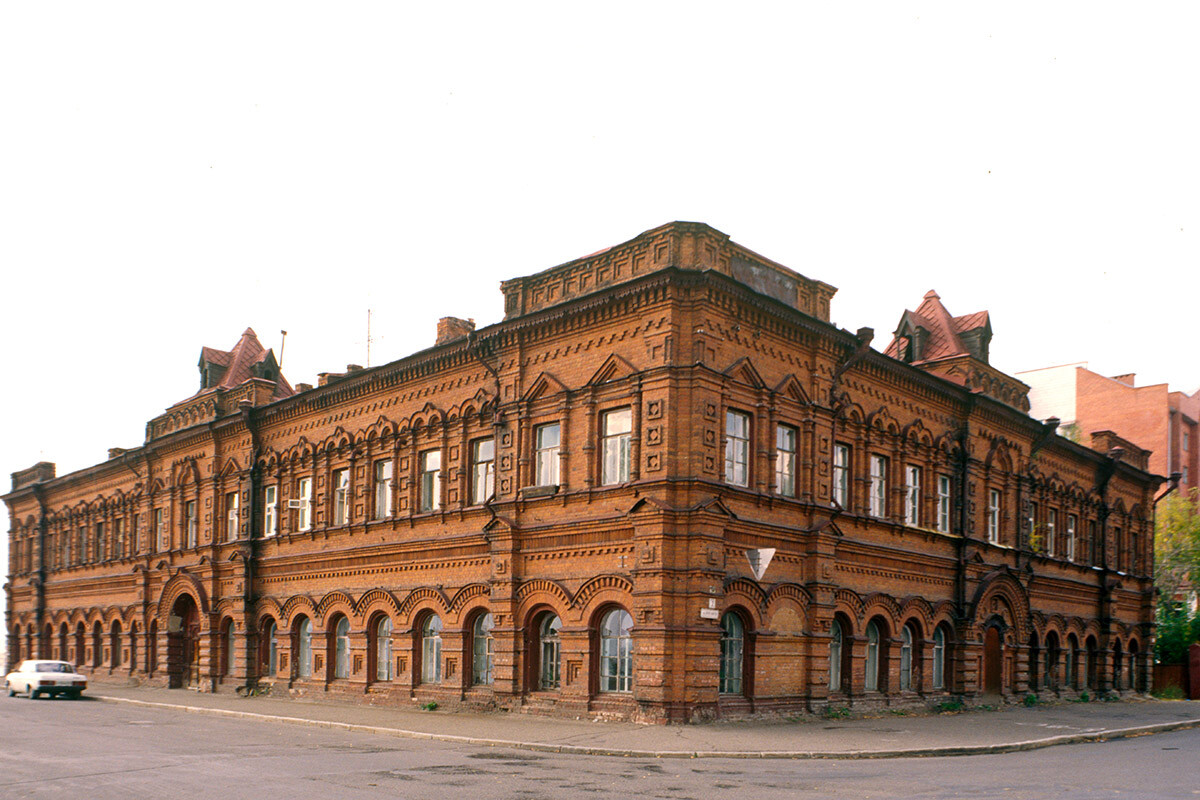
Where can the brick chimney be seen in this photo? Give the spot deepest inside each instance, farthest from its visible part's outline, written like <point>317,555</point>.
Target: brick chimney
<point>1127,378</point>
<point>451,328</point>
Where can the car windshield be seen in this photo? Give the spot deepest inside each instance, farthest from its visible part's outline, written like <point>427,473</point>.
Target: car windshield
<point>53,666</point>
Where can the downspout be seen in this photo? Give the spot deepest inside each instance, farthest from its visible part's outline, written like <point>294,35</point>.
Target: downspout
<point>39,577</point>
<point>249,551</point>
<point>964,510</point>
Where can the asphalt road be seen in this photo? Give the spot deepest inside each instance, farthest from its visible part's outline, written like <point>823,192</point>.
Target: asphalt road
<point>96,750</point>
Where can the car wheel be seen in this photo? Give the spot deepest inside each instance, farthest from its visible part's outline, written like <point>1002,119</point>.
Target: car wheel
<point>74,694</point>
<point>32,693</point>
<point>11,691</point>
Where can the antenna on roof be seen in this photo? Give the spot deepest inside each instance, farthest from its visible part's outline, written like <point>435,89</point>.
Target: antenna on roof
<point>282,342</point>
<point>368,338</point>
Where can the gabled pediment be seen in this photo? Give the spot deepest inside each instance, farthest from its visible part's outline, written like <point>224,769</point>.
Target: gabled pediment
<point>717,506</point>
<point>790,387</point>
<point>648,504</point>
<point>743,371</point>
<point>613,368</point>
<point>500,523</point>
<point>544,385</point>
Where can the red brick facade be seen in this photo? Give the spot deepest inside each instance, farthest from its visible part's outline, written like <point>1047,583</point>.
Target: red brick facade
<point>553,513</point>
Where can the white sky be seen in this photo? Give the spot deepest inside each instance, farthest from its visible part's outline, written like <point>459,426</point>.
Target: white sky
<point>173,173</point>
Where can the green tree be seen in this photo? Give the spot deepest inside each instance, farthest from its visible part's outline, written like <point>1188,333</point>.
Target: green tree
<point>1176,573</point>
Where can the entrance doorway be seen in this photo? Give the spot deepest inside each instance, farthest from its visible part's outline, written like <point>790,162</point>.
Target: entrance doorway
<point>993,662</point>
<point>183,644</point>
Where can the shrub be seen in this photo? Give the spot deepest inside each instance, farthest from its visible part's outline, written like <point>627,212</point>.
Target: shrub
<point>1168,693</point>
<point>948,706</point>
<point>430,706</point>
<point>1030,700</point>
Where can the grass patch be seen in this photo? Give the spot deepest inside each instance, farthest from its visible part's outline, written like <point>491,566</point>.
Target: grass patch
<point>1168,693</point>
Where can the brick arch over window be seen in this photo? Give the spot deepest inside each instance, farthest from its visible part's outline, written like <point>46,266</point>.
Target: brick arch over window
<point>547,589</point>
<point>750,593</point>
<point>296,606</point>
<point>466,594</point>
<point>337,601</point>
<point>426,597</point>
<point>598,585</point>
<point>851,607</point>
<point>884,606</point>
<point>376,600</point>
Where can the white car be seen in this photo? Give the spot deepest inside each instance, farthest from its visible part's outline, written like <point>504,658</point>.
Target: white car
<point>40,676</point>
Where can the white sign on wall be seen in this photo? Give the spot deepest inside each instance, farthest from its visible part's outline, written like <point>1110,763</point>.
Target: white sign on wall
<point>760,560</point>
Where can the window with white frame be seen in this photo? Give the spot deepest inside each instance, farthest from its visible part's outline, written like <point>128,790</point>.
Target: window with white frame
<point>383,489</point>
<point>304,506</point>
<point>939,658</point>
<point>912,495</point>
<point>871,668</point>
<point>1072,523</point>
<point>483,470</point>
<point>341,496</point>
<point>118,538</point>
<point>232,501</point>
<point>616,433</point>
<point>943,503</point>
<point>270,500</point>
<point>616,651</point>
<point>383,649</point>
<point>878,486</point>
<point>906,658</point>
<point>431,481</point>
<point>1051,532</point>
<point>192,522</point>
<point>993,519</point>
<point>841,475</point>
<point>785,460</point>
<point>482,650</point>
<point>160,530</point>
<point>546,457</point>
<point>737,448</point>
<point>431,649</point>
<point>1031,523</point>
<point>304,648</point>
<point>341,648</point>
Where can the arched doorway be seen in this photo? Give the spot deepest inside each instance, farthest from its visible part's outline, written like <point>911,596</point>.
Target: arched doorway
<point>993,661</point>
<point>183,644</point>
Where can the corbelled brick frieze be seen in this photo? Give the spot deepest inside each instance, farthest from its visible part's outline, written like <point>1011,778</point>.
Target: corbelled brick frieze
<point>559,513</point>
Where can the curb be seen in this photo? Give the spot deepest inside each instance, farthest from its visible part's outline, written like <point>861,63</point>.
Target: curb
<point>1110,734</point>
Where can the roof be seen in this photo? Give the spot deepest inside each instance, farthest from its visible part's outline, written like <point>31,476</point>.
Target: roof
<point>944,331</point>
<point>239,364</point>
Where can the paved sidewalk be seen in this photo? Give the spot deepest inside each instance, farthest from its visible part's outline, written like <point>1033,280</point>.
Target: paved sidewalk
<point>886,736</point>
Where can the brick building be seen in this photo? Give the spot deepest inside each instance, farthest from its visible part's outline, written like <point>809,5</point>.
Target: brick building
<point>1155,418</point>
<point>574,511</point>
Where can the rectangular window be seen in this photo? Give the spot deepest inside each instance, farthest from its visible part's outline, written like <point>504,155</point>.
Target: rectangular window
<point>1031,524</point>
<point>269,500</point>
<point>304,507</point>
<point>135,535</point>
<point>1051,532</point>
<point>878,486</point>
<point>1093,547</point>
<point>785,460</point>
<point>943,504</point>
<point>191,522</point>
<point>431,480</point>
<point>546,461</point>
<point>383,489</point>
<point>160,530</point>
<point>81,547</point>
<point>1072,522</point>
<point>341,496</point>
<point>99,553</point>
<point>993,519</point>
<point>616,432</point>
<point>232,501</point>
<point>737,448</point>
<point>118,538</point>
<point>841,475</point>
<point>483,470</point>
<point>912,495</point>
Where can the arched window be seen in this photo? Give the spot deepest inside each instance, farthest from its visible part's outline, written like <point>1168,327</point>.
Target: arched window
<point>383,649</point>
<point>230,648</point>
<point>616,651</point>
<point>549,651</point>
<point>97,646</point>
<point>268,648</point>
<point>1118,679</point>
<point>1072,680</point>
<point>151,646</point>
<point>62,641</point>
<point>1050,665</point>
<point>835,656</point>
<point>1134,678</point>
<point>872,666</point>
<point>1035,663</point>
<point>939,657</point>
<point>1092,659</point>
<point>481,650</point>
<point>304,648</point>
<point>133,646</point>
<point>341,648</point>
<point>114,644</point>
<point>431,649</point>
<point>906,658</point>
<point>16,645</point>
<point>733,639</point>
